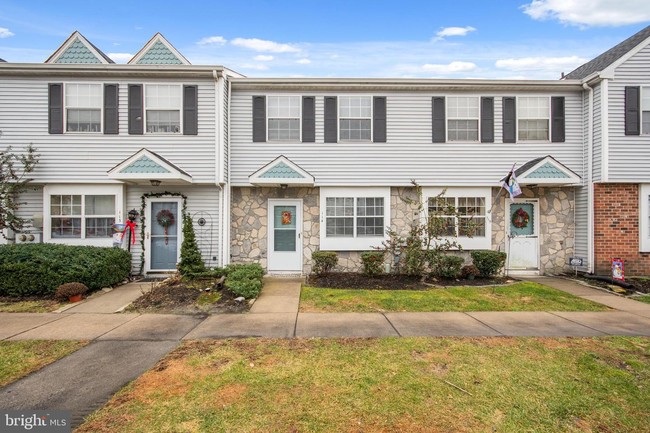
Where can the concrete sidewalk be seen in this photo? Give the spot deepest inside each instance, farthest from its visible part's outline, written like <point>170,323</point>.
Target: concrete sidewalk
<point>113,301</point>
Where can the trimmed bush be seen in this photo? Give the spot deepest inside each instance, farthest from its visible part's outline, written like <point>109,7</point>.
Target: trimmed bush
<point>447,266</point>
<point>324,262</point>
<point>488,262</point>
<point>245,280</point>
<point>65,291</point>
<point>373,262</point>
<point>38,269</point>
<point>469,272</point>
<point>191,263</point>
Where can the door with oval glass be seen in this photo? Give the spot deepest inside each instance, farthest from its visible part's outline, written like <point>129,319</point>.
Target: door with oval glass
<point>285,239</point>
<point>163,233</point>
<point>523,236</point>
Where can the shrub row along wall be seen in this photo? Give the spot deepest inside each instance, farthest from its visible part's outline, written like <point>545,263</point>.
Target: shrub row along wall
<point>39,269</point>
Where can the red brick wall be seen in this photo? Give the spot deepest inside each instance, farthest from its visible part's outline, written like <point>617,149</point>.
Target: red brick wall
<point>616,228</point>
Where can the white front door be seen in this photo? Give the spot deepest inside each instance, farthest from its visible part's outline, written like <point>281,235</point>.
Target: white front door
<point>163,234</point>
<point>523,235</point>
<point>285,238</point>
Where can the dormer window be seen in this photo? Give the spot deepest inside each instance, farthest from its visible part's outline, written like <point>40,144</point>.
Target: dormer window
<point>83,107</point>
<point>163,104</point>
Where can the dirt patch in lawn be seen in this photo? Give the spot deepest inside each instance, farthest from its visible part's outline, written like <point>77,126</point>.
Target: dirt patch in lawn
<point>353,280</point>
<point>28,304</point>
<point>639,284</point>
<point>176,296</point>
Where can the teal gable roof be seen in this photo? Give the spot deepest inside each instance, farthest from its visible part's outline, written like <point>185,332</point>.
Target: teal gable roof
<point>159,54</point>
<point>77,52</point>
<point>144,165</point>
<point>281,171</point>
<point>547,171</point>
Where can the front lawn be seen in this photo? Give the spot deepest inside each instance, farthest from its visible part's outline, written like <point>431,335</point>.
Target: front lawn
<point>644,298</point>
<point>522,296</point>
<point>390,385</point>
<point>19,358</point>
<point>28,305</point>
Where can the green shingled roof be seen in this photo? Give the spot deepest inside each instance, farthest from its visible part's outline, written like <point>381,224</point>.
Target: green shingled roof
<point>144,165</point>
<point>159,54</point>
<point>77,52</point>
<point>547,171</point>
<point>281,171</point>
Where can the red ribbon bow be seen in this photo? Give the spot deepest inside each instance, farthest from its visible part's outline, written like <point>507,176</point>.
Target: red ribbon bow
<point>130,225</point>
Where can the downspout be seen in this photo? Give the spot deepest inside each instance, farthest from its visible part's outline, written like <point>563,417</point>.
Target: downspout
<point>226,249</point>
<point>590,183</point>
<point>218,157</point>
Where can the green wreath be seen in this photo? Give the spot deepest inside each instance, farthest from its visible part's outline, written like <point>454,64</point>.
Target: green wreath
<point>520,218</point>
<point>166,219</point>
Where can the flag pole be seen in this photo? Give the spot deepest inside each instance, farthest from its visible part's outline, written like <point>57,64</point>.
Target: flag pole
<point>494,202</point>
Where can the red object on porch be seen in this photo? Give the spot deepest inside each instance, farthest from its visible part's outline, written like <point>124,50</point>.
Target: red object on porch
<point>618,269</point>
<point>130,225</point>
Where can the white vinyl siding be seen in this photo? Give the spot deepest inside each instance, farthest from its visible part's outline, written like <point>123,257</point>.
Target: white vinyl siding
<point>533,118</point>
<point>462,118</point>
<point>283,114</point>
<point>355,118</point>
<point>163,104</point>
<point>353,219</point>
<point>83,107</point>
<point>645,110</point>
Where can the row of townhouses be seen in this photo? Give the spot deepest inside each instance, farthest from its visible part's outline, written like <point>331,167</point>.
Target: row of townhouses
<point>273,169</point>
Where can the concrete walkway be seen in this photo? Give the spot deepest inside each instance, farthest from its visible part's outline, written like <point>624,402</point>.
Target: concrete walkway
<point>113,301</point>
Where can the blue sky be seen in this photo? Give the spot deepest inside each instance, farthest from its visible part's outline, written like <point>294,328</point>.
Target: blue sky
<point>442,39</point>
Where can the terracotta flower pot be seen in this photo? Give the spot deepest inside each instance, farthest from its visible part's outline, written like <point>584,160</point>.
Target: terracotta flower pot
<point>75,298</point>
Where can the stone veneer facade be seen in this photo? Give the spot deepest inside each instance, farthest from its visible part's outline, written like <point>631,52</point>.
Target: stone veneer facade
<point>249,224</point>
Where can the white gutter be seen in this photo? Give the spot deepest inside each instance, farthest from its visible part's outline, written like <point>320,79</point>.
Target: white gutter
<point>590,184</point>
<point>604,115</point>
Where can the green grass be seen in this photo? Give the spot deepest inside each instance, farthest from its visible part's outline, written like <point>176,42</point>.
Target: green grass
<point>523,296</point>
<point>31,306</point>
<point>390,385</point>
<point>19,358</point>
<point>644,298</point>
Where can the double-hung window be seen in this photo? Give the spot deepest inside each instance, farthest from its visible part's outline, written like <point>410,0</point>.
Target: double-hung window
<point>163,103</point>
<point>283,118</point>
<point>463,118</point>
<point>83,107</point>
<point>355,118</point>
<point>533,114</point>
<point>645,110</point>
<point>468,224</point>
<point>353,218</point>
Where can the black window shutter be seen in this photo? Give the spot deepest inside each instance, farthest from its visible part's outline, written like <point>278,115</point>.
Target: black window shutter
<point>308,119</point>
<point>509,120</point>
<point>259,118</point>
<point>557,119</point>
<point>379,119</point>
<point>55,108</point>
<point>111,120</point>
<point>632,110</point>
<point>331,125</point>
<point>438,119</point>
<point>136,120</point>
<point>487,120</point>
<point>190,110</point>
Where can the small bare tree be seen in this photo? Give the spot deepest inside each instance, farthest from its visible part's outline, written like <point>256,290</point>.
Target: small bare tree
<point>14,171</point>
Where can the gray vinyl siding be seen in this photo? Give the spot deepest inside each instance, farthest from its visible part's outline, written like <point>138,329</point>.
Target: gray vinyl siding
<point>581,224</point>
<point>597,140</point>
<point>85,158</point>
<point>199,199</point>
<point>629,156</point>
<point>408,153</point>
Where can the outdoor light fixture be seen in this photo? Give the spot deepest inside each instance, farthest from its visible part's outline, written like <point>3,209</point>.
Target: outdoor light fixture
<point>283,186</point>
<point>154,182</point>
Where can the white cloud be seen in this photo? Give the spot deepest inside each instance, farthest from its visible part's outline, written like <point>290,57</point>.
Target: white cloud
<point>454,31</point>
<point>550,64</point>
<point>584,13</point>
<point>265,46</point>
<point>257,67</point>
<point>5,33</point>
<point>212,40</point>
<point>263,58</point>
<point>450,68</point>
<point>120,57</point>
<point>303,61</point>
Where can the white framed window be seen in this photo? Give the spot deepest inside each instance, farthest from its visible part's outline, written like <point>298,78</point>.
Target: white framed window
<point>353,219</point>
<point>83,107</point>
<point>645,110</point>
<point>644,217</point>
<point>81,214</point>
<point>472,205</point>
<point>163,104</point>
<point>533,118</point>
<point>283,118</point>
<point>355,118</point>
<point>463,115</point>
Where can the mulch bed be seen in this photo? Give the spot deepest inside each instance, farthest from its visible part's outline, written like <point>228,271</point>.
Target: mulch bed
<point>352,280</point>
<point>641,285</point>
<point>176,296</point>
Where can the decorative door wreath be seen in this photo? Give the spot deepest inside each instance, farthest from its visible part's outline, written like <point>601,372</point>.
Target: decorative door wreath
<point>520,218</point>
<point>286,217</point>
<point>166,219</point>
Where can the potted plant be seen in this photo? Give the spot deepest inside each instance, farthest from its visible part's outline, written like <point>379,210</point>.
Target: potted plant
<point>73,292</point>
